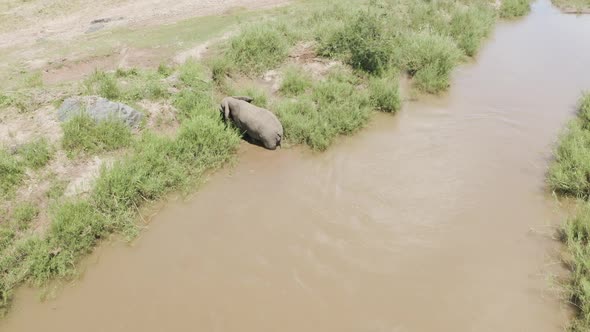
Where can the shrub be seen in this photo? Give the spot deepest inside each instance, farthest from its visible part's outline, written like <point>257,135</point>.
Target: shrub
<point>363,43</point>
<point>430,58</point>
<point>336,107</point>
<point>83,135</point>
<point>470,26</point>
<point>384,94</point>
<point>36,154</point>
<point>295,82</point>
<point>514,8</point>
<point>23,214</point>
<point>258,48</point>
<point>11,173</point>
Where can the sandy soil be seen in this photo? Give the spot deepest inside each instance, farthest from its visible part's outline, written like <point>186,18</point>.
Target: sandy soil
<point>27,22</point>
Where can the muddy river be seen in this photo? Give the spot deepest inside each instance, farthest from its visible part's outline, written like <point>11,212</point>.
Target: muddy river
<point>436,219</point>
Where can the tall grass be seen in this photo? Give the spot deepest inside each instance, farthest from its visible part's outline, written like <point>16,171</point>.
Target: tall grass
<point>429,58</point>
<point>576,236</point>
<point>569,174</point>
<point>258,47</point>
<point>384,93</point>
<point>514,8</point>
<point>81,134</point>
<point>334,107</point>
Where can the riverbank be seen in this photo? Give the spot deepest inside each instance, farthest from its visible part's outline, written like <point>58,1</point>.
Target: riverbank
<point>573,6</point>
<point>569,176</point>
<point>324,78</point>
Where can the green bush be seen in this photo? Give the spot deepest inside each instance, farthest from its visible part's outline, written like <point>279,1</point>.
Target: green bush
<point>384,94</point>
<point>11,173</point>
<point>36,154</point>
<point>23,214</point>
<point>295,82</point>
<point>336,107</point>
<point>258,48</point>
<point>514,8</point>
<point>84,135</point>
<point>363,43</point>
<point>570,171</point>
<point>430,58</point>
<point>470,26</point>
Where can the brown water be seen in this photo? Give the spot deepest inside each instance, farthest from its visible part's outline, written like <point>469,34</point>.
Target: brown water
<point>436,219</point>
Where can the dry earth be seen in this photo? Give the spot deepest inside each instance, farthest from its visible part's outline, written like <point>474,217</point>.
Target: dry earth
<point>24,22</point>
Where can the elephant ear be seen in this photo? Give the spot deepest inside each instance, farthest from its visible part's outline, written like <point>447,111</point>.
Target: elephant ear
<point>244,98</point>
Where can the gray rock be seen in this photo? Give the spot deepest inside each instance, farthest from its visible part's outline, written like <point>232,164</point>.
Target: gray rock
<point>99,109</point>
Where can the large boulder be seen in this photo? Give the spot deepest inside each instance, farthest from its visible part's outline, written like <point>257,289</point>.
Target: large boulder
<point>99,109</point>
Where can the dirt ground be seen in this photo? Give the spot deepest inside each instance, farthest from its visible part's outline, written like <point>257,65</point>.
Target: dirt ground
<point>25,22</point>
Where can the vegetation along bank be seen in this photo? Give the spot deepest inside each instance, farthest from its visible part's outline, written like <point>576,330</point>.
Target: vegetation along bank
<point>322,67</point>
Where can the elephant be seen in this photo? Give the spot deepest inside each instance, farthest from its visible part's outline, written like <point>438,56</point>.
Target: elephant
<point>258,123</point>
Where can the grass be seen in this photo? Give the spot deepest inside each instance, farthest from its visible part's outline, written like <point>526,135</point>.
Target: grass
<point>258,47</point>
<point>127,85</point>
<point>514,8</point>
<point>334,107</point>
<point>575,6</point>
<point>12,173</point>
<point>81,134</point>
<point>576,236</point>
<point>295,82</point>
<point>37,153</point>
<point>425,39</point>
<point>153,167</point>
<point>384,93</point>
<point>23,215</point>
<point>569,174</point>
<point>429,58</point>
